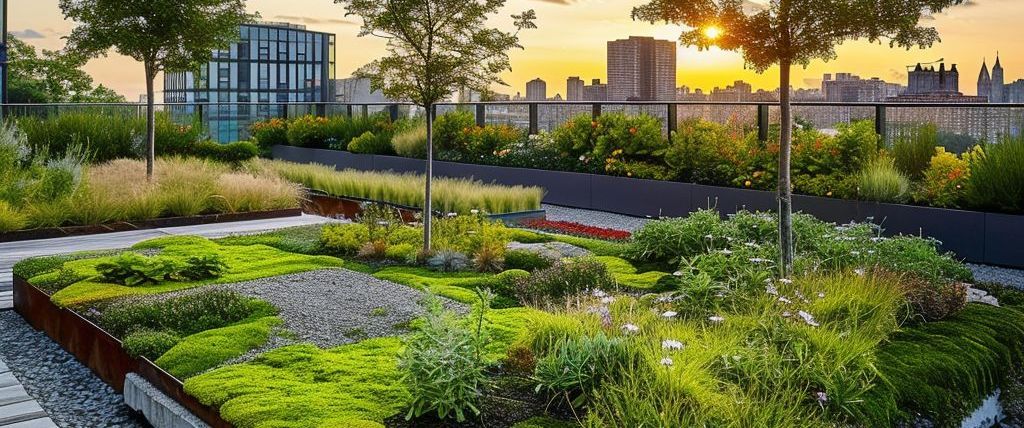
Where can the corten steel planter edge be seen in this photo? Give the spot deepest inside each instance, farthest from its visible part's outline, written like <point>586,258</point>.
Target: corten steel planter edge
<point>63,232</point>
<point>101,352</point>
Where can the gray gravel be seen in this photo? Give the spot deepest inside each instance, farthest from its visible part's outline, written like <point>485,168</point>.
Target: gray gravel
<point>595,218</point>
<point>1008,277</point>
<point>335,306</point>
<point>68,391</point>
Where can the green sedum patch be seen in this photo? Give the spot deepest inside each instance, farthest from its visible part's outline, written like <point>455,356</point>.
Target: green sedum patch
<point>203,351</point>
<point>305,386</point>
<point>244,263</point>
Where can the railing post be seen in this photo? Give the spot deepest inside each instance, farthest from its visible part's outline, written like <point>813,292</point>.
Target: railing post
<point>673,118</point>
<point>393,112</point>
<point>481,115</point>
<point>762,122</point>
<point>348,110</point>
<point>321,109</point>
<point>534,119</point>
<point>596,111</point>
<point>880,124</point>
<point>366,110</point>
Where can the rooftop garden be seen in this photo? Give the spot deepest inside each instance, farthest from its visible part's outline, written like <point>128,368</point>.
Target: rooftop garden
<point>685,322</point>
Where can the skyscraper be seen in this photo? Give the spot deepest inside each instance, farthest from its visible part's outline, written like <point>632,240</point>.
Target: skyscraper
<point>641,69</point>
<point>270,64</point>
<point>985,82</point>
<point>536,90</point>
<point>574,89</point>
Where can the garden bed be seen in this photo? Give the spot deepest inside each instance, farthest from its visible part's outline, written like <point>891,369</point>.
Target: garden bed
<point>978,237</point>
<point>124,226</point>
<point>98,350</point>
<point>349,208</point>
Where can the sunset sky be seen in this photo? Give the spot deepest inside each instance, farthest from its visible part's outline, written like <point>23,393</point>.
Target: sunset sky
<point>571,40</point>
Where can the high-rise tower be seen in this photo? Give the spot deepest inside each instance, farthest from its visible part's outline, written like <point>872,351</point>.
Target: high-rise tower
<point>998,89</point>
<point>985,82</point>
<point>641,69</point>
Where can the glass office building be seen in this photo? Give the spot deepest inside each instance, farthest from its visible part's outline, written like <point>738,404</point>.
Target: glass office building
<point>271,65</point>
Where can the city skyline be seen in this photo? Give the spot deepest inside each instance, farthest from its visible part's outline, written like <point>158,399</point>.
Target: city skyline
<point>566,44</point>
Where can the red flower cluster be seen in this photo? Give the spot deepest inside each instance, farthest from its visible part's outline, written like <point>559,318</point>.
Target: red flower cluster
<point>576,229</point>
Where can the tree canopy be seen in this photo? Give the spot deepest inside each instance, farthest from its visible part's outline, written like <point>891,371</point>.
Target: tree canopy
<point>797,31</point>
<point>436,47</point>
<point>51,77</point>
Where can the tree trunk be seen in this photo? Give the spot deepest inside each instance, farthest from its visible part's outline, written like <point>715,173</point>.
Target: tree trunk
<point>150,122</point>
<point>786,247</point>
<point>428,202</point>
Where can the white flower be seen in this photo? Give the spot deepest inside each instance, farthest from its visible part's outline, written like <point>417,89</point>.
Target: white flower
<point>667,362</point>
<point>726,252</point>
<point>787,314</point>
<point>583,158</point>
<point>821,396</point>
<point>786,281</point>
<point>859,272</point>
<point>716,319</point>
<point>599,293</point>
<point>771,290</point>
<point>453,214</point>
<point>783,299</point>
<point>669,314</point>
<point>630,328</point>
<point>474,212</point>
<point>758,260</point>
<point>677,273</point>
<point>821,295</point>
<point>709,236</point>
<point>671,345</point>
<point>855,253</point>
<point>663,299</point>
<point>808,318</point>
<point>607,300</point>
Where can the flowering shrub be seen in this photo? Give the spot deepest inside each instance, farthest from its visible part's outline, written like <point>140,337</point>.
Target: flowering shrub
<point>945,180</point>
<point>577,229</point>
<point>308,131</point>
<point>450,130</point>
<point>269,133</point>
<point>705,152</point>
<point>494,139</point>
<point>611,135</point>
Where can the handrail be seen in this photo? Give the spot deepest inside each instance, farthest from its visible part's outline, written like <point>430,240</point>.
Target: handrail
<point>547,103</point>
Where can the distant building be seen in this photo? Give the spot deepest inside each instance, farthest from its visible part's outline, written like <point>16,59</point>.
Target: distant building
<point>641,69</point>
<point>928,85</point>
<point>574,89</point>
<point>270,65</point>
<point>738,91</point>
<point>991,87</point>
<point>1015,92</point>
<point>595,91</point>
<point>536,90</point>
<point>357,90</point>
<point>850,88</point>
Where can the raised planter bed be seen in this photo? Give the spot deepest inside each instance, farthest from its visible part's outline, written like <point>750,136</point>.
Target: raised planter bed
<point>98,350</point>
<point>976,237</point>
<point>122,226</point>
<point>351,208</point>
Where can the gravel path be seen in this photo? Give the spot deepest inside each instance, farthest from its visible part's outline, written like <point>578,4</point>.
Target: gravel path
<point>595,218</point>
<point>335,306</point>
<point>69,392</point>
<point>1008,277</point>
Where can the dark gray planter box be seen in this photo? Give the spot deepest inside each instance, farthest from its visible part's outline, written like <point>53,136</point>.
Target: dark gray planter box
<point>978,237</point>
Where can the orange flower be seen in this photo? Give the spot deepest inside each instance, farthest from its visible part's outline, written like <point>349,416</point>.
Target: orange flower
<point>632,131</point>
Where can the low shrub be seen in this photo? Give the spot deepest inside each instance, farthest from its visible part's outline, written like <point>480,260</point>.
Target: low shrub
<point>526,260</point>
<point>611,135</point>
<point>371,144</point>
<point>929,302</point>
<point>203,267</point>
<point>575,367</point>
<point>450,130</point>
<point>944,183</point>
<point>231,153</point>
<point>308,131</point>
<point>997,177</point>
<point>704,152</point>
<point>344,239</point>
<point>564,278</point>
<point>881,181</point>
<point>134,269</point>
<point>185,314</point>
<point>269,133</point>
<point>149,344</point>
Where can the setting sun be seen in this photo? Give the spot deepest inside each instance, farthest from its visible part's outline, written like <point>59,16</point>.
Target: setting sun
<point>712,32</point>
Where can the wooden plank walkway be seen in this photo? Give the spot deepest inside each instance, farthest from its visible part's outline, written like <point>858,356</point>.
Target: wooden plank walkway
<point>12,252</point>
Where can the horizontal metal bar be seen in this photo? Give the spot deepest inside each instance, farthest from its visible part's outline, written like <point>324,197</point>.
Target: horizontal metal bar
<point>550,103</point>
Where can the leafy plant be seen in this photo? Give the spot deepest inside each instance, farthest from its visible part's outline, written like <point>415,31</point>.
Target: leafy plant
<point>945,181</point>
<point>371,144</point>
<point>268,133</point>
<point>526,260</point>
<point>149,344</point>
<point>443,362</point>
<point>202,267</point>
<point>134,269</point>
<point>575,367</point>
<point>564,278</point>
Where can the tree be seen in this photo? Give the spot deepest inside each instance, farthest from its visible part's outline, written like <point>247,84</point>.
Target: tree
<point>794,32</point>
<point>53,77</point>
<point>435,47</point>
<point>164,35</point>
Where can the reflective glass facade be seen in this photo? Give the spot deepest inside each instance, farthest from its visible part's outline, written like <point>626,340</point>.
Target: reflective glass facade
<point>270,65</point>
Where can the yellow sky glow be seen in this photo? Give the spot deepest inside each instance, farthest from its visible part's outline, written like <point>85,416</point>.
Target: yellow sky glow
<point>571,40</point>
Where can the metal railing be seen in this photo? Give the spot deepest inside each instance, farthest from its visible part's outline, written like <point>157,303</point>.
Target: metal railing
<point>962,124</point>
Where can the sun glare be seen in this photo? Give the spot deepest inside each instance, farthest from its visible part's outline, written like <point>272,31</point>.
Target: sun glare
<point>712,32</point>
